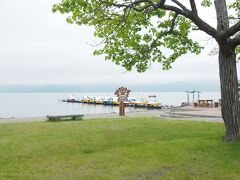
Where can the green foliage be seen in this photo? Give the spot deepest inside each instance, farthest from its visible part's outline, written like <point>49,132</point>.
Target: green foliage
<point>131,37</point>
<point>235,5</point>
<point>206,3</point>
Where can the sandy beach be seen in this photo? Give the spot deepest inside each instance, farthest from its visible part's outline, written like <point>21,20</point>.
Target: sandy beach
<point>181,113</point>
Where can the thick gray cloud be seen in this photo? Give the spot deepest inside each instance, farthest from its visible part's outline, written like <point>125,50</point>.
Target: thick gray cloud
<point>38,47</point>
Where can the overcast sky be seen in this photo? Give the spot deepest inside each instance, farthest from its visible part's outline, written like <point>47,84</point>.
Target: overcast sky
<point>38,47</point>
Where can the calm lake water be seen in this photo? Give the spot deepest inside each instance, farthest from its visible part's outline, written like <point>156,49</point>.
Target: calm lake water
<point>42,104</point>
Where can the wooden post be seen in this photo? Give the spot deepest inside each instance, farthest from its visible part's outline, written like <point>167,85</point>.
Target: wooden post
<point>121,109</point>
<point>122,94</point>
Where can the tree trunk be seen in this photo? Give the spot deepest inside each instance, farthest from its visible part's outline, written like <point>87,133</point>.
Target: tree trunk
<point>229,93</point>
<point>228,75</point>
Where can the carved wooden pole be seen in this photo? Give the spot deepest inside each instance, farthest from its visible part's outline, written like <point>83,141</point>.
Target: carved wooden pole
<point>122,94</point>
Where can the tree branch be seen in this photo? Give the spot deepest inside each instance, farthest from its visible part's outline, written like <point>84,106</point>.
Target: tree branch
<point>195,19</point>
<point>194,7</point>
<point>126,4</point>
<point>171,30</point>
<point>236,41</point>
<point>181,9</point>
<point>180,5</point>
<point>231,31</point>
<point>173,22</point>
<point>155,6</point>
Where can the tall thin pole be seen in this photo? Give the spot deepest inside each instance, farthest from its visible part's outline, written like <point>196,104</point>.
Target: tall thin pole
<point>193,92</point>
<point>193,98</point>
<point>188,99</point>
<point>198,94</point>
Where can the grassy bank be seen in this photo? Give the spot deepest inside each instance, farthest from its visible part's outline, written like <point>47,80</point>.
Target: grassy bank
<point>135,148</point>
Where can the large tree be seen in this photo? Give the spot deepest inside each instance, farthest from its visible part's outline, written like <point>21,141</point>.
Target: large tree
<point>138,32</point>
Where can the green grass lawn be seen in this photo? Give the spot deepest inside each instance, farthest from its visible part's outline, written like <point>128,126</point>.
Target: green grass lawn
<point>131,148</point>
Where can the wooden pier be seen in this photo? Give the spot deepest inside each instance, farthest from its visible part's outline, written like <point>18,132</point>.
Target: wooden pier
<point>148,105</point>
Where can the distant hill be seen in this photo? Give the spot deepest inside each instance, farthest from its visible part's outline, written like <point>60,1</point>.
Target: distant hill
<point>171,87</point>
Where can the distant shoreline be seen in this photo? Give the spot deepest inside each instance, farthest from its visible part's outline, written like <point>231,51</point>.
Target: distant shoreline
<point>71,92</point>
<point>209,86</point>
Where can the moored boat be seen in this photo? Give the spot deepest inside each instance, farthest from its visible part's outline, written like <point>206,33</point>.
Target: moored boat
<point>71,98</point>
<point>107,101</point>
<point>131,101</point>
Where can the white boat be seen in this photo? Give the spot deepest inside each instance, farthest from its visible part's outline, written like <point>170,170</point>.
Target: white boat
<point>71,98</point>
